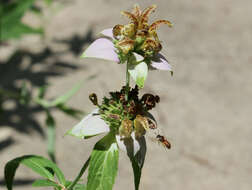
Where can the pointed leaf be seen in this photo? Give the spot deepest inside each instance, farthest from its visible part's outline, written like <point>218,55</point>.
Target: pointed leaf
<point>11,15</point>
<point>16,10</point>
<point>38,164</point>
<point>44,183</point>
<point>103,164</point>
<point>77,186</point>
<point>75,113</point>
<point>17,30</point>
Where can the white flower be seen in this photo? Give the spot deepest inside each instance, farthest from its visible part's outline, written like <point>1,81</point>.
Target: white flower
<point>103,48</point>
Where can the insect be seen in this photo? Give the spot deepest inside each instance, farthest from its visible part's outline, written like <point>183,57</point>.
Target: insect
<point>157,134</point>
<point>164,141</point>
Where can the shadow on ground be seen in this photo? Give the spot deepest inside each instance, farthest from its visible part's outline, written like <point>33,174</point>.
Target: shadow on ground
<point>34,69</point>
<point>18,182</point>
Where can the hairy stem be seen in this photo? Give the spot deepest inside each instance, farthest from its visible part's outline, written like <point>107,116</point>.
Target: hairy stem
<point>84,167</point>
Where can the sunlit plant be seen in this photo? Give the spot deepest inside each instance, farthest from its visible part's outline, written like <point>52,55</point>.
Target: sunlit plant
<point>124,117</point>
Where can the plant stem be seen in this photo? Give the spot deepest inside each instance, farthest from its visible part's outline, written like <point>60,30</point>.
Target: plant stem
<point>127,81</point>
<point>84,167</point>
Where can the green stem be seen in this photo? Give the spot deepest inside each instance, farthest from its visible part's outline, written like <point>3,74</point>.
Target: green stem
<point>127,81</point>
<point>84,167</point>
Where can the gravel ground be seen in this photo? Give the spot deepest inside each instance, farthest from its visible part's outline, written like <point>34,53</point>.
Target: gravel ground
<point>205,107</point>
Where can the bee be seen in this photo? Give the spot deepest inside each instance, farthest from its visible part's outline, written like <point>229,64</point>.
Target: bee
<point>157,134</point>
<point>163,141</point>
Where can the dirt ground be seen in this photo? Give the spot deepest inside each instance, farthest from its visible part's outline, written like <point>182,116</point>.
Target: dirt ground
<point>205,107</point>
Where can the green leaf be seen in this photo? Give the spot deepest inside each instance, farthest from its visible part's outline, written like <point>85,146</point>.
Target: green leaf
<point>103,164</point>
<point>139,73</point>
<point>70,111</point>
<point>77,186</point>
<point>137,173</point>
<point>65,97</point>
<point>45,183</point>
<point>42,91</point>
<point>42,102</point>
<point>16,10</point>
<point>38,164</point>
<point>61,100</point>
<point>48,2</point>
<point>8,32</point>
<point>11,23</point>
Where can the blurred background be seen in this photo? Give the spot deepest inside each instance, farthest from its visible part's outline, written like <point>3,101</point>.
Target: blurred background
<point>205,108</point>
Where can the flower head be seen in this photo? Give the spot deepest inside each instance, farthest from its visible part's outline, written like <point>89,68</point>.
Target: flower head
<point>138,35</point>
<point>128,120</point>
<point>136,43</point>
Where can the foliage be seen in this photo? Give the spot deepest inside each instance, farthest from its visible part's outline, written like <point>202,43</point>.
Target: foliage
<point>42,166</point>
<point>11,20</point>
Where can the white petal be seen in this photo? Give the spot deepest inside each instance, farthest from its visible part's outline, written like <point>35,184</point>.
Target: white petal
<point>102,48</point>
<point>108,33</point>
<point>139,73</point>
<point>160,62</point>
<point>138,57</point>
<point>131,145</point>
<point>90,125</point>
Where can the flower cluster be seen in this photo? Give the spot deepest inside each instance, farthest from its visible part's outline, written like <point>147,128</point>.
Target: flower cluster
<point>136,43</point>
<point>129,120</point>
<point>127,116</point>
<point>138,36</point>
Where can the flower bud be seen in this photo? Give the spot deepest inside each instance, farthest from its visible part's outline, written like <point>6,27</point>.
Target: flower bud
<point>149,100</point>
<point>129,30</point>
<point>93,99</point>
<point>140,39</point>
<point>125,45</point>
<point>140,126</point>
<point>126,128</point>
<point>117,30</point>
<point>151,46</point>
